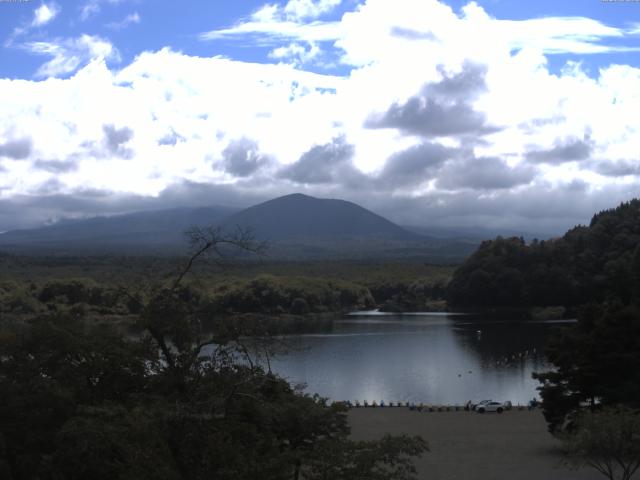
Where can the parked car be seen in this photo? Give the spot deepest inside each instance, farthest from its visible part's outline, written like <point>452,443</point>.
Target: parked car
<point>491,406</point>
<point>475,406</point>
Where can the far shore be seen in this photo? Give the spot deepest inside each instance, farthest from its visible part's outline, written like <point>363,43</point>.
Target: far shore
<point>471,446</point>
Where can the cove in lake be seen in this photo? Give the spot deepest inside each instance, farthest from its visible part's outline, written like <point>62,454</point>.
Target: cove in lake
<point>430,358</point>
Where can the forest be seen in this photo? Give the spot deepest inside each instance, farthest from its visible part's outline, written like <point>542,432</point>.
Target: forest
<point>95,286</point>
<point>81,400</point>
<point>595,263</point>
<point>594,272</point>
<point>104,375</point>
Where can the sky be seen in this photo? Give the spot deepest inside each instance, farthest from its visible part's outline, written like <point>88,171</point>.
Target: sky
<point>502,114</point>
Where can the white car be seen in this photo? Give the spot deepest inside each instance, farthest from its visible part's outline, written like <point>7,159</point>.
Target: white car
<point>490,406</point>
<point>474,406</point>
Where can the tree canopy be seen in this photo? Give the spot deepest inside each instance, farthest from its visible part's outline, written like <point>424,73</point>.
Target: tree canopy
<point>608,441</point>
<point>177,402</point>
<point>599,262</point>
<point>597,363</point>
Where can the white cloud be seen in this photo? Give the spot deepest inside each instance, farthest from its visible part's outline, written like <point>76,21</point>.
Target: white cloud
<point>368,32</point>
<point>132,18</point>
<point>296,20</point>
<point>44,14</point>
<point>296,53</point>
<point>184,115</point>
<point>306,9</point>
<point>70,54</point>
<point>273,28</point>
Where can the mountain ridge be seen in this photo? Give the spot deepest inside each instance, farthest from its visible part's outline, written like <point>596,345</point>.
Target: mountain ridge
<point>297,226</point>
<point>314,217</point>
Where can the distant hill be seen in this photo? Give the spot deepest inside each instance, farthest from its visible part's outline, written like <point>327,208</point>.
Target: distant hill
<point>298,217</point>
<point>296,226</point>
<point>157,230</point>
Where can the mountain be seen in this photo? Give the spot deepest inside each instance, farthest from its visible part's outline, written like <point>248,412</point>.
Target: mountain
<point>158,230</point>
<point>297,227</point>
<point>298,217</point>
<point>302,227</point>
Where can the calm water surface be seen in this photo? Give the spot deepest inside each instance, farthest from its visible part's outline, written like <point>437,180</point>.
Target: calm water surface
<point>431,358</point>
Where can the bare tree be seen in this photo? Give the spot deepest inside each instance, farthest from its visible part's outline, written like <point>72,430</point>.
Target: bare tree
<point>171,313</point>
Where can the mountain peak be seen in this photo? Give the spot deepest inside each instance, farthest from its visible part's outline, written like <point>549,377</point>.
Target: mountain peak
<point>295,196</point>
<point>295,225</point>
<point>299,216</point>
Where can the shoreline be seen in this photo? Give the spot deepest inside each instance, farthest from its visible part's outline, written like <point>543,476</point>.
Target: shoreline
<point>471,446</point>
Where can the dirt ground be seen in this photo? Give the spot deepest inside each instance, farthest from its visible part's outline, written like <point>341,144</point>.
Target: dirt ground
<point>514,445</point>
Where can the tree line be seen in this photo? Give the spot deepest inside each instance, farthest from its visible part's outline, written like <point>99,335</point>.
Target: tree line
<point>80,400</point>
<point>595,263</point>
<point>591,399</point>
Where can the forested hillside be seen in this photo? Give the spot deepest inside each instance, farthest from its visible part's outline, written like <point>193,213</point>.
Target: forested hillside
<point>595,263</point>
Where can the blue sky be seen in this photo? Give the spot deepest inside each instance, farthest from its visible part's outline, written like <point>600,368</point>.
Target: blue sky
<point>139,25</point>
<point>489,113</point>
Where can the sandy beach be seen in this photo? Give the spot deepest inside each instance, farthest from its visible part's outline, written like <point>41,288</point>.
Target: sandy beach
<point>470,446</point>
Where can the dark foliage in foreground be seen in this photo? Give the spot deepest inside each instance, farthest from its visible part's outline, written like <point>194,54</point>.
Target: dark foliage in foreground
<point>597,364</point>
<point>599,263</point>
<point>597,361</point>
<point>594,270</point>
<point>607,441</point>
<point>82,402</point>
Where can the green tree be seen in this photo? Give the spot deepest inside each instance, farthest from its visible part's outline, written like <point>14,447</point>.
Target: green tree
<point>180,402</point>
<point>588,264</point>
<point>597,361</point>
<point>608,441</point>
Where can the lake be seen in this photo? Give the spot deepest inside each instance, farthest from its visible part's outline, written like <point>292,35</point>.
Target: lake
<point>429,357</point>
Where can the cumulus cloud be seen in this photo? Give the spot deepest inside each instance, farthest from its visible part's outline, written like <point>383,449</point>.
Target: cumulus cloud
<point>441,109</point>
<point>242,157</point>
<point>564,151</point>
<point>309,9</point>
<point>297,53</point>
<point>484,173</point>
<point>44,14</point>
<point>419,123</point>
<point>16,149</point>
<point>171,138</point>
<point>55,166</point>
<point>411,34</point>
<point>115,140</point>
<point>617,168</point>
<point>50,204</point>
<point>48,187</point>
<point>67,55</point>
<point>416,164</point>
<point>365,36</point>
<point>321,163</point>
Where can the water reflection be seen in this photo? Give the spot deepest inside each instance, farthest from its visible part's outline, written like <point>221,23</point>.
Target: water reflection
<point>420,358</point>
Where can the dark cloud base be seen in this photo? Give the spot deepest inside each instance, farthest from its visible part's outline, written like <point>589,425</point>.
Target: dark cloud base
<point>441,109</point>
<point>531,208</point>
<point>16,149</point>
<point>562,152</point>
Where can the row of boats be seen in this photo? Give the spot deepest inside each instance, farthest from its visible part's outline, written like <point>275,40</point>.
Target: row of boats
<point>422,407</point>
